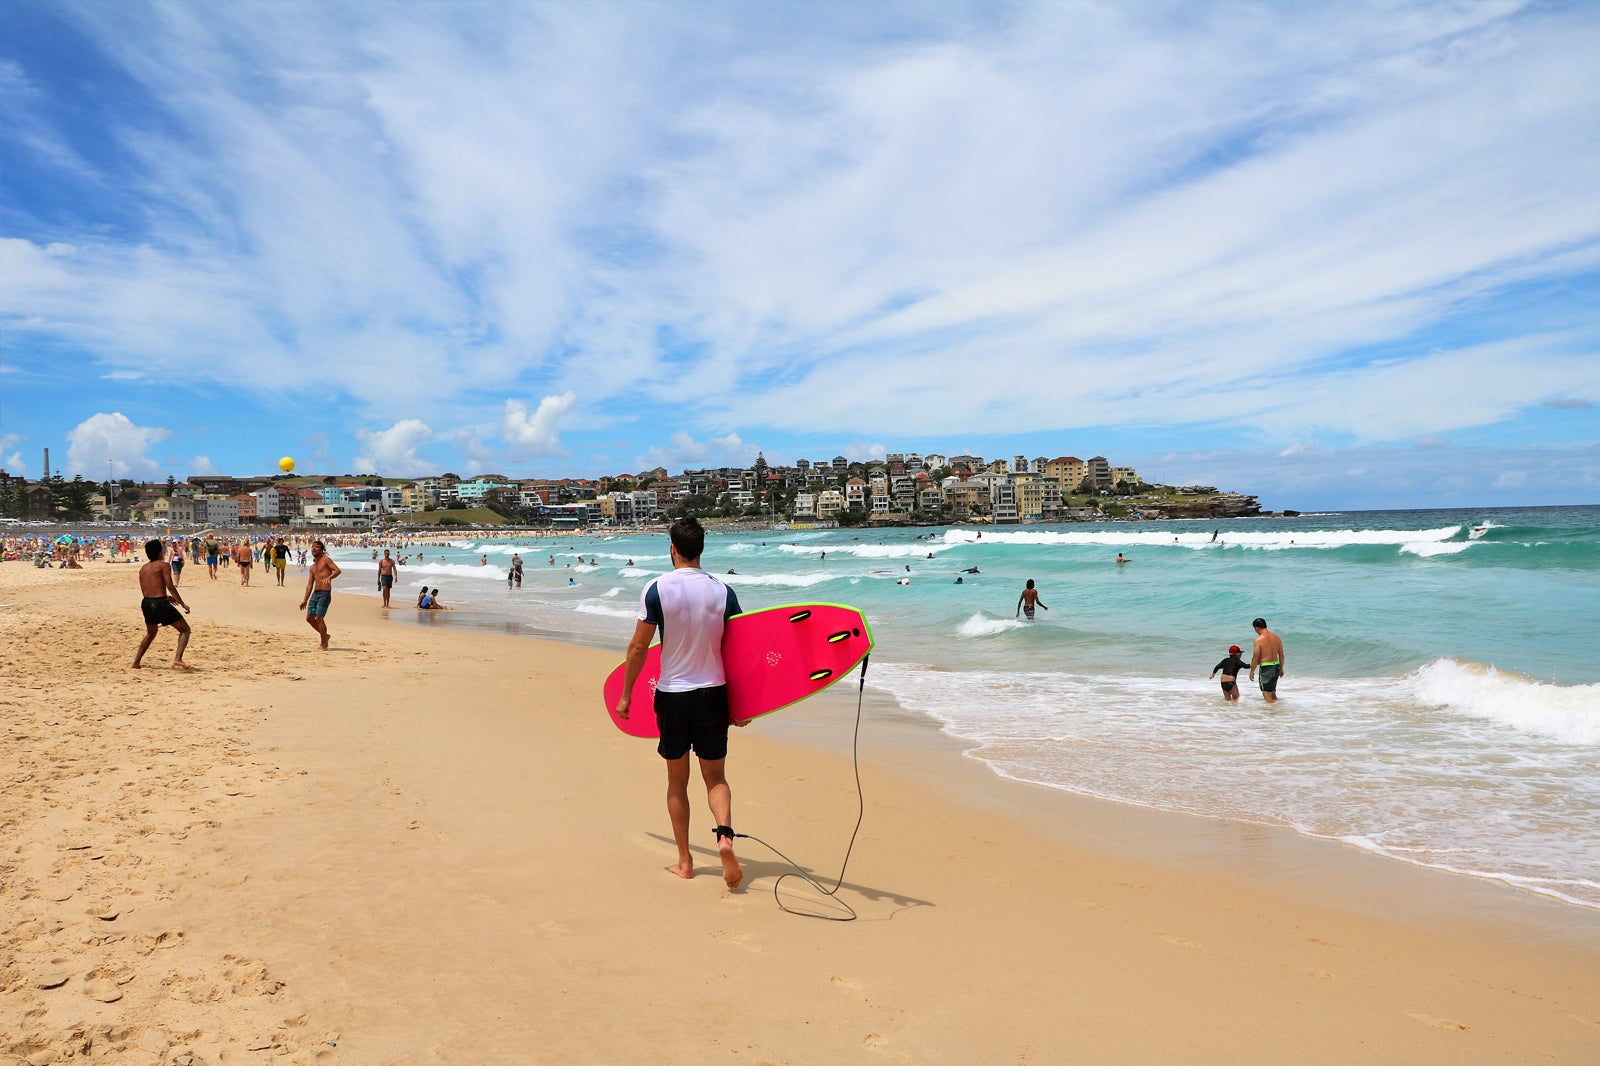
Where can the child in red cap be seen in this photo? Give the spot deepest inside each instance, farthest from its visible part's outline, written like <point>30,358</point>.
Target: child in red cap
<point>1231,668</point>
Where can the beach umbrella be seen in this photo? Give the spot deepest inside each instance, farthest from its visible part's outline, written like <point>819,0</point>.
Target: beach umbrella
<point>65,538</point>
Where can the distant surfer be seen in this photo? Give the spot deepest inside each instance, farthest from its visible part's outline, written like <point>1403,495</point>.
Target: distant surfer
<point>971,570</point>
<point>1267,657</point>
<point>1120,559</point>
<point>1214,533</point>
<point>1028,601</point>
<point>1230,668</point>
<point>691,609</point>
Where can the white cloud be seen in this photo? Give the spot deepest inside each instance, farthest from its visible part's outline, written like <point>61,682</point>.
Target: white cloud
<point>14,464</point>
<point>686,451</point>
<point>903,220</point>
<point>1511,479</point>
<point>112,436</point>
<point>535,434</point>
<point>201,464</point>
<point>393,451</point>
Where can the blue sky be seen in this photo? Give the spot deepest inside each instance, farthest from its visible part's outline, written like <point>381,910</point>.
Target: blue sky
<point>1340,255</point>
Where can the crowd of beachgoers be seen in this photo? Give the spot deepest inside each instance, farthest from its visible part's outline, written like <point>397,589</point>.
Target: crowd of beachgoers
<point>69,551</point>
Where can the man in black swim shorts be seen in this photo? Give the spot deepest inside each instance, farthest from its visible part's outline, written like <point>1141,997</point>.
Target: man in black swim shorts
<point>160,593</point>
<point>691,609</point>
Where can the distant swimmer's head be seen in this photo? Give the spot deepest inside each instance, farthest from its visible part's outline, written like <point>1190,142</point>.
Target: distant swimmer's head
<point>1030,582</point>
<point>688,539</point>
<point>153,549</point>
<point>1259,623</point>
<point>1233,649</point>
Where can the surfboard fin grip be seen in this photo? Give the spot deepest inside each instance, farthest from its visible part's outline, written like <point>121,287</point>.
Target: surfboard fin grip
<point>724,831</point>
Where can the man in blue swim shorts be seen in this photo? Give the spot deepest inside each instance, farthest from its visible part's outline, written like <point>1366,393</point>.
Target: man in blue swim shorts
<point>319,591</point>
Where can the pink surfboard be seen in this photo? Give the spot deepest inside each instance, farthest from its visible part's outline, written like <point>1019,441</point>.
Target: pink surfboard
<point>773,658</point>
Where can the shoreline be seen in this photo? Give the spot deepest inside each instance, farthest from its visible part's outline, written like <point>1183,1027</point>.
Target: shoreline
<point>910,725</point>
<point>430,846</point>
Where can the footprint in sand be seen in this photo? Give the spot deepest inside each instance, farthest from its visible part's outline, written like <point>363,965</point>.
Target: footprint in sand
<point>52,974</point>
<point>1181,941</point>
<point>849,987</point>
<point>738,940</point>
<point>1438,1023</point>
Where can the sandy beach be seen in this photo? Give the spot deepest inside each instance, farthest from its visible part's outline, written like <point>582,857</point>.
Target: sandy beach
<point>428,845</point>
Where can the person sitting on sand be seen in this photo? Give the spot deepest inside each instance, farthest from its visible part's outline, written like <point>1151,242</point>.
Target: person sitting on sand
<point>155,581</point>
<point>424,600</point>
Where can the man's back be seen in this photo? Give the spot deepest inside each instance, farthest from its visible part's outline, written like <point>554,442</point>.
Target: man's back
<point>689,607</point>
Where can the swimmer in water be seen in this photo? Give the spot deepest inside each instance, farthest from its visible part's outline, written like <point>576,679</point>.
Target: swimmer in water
<point>1028,600</point>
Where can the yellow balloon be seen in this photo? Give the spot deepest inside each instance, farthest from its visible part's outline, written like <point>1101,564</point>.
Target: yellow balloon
<point>286,464</point>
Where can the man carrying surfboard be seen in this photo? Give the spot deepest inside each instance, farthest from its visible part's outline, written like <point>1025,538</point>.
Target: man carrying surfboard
<point>691,608</point>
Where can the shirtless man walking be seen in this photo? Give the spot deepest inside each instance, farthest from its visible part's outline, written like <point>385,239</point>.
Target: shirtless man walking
<point>242,555</point>
<point>1267,657</point>
<point>1028,600</point>
<point>319,590</point>
<point>386,570</point>
<point>691,608</point>
<point>160,593</point>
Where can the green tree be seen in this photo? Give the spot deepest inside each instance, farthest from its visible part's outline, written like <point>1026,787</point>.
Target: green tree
<point>172,485</point>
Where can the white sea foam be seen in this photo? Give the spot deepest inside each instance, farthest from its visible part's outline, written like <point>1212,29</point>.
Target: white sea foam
<point>918,550</point>
<point>981,625</point>
<point>590,607</point>
<point>1429,548</point>
<point>1454,766</point>
<point>1570,714</point>
<point>615,591</point>
<point>1113,535</point>
<point>795,581</point>
<point>412,573</point>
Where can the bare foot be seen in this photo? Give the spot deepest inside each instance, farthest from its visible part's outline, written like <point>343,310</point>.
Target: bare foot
<point>684,870</point>
<point>179,664</point>
<point>732,872</point>
<point>325,639</point>
<point>136,665</point>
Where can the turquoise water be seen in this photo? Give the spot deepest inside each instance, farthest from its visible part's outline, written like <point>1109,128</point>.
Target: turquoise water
<point>1441,704</point>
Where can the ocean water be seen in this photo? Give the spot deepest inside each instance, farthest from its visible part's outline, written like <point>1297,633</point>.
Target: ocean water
<point>1441,704</point>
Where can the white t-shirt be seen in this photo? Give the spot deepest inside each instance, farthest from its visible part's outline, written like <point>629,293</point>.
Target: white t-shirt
<point>689,607</point>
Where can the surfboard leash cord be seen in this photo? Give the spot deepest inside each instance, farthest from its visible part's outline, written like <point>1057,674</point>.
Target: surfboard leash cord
<point>861,811</point>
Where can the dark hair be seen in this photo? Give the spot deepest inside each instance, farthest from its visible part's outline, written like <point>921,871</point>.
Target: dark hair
<point>689,537</point>
<point>153,549</point>
<point>435,592</point>
<point>1030,582</point>
<point>319,544</point>
<point>1260,623</point>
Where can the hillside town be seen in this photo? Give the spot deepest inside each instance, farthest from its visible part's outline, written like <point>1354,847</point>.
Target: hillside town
<point>899,489</point>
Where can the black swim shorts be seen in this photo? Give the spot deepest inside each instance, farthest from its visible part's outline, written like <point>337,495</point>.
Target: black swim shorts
<point>696,719</point>
<point>158,611</point>
<point>1227,686</point>
<point>1267,676</point>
